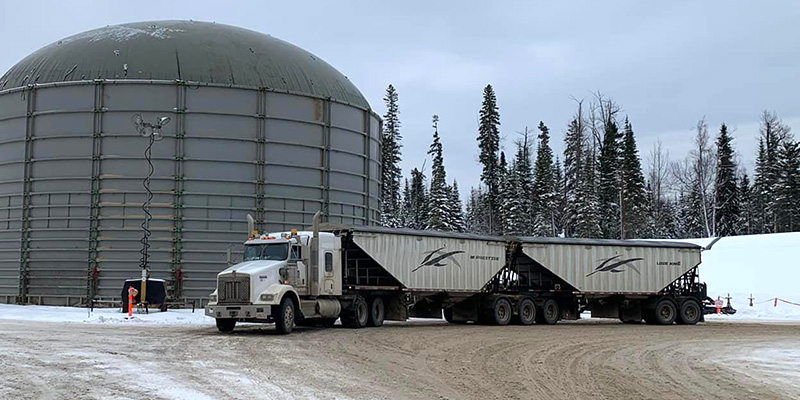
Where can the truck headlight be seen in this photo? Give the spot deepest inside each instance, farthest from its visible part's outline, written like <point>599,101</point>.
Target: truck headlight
<point>267,297</point>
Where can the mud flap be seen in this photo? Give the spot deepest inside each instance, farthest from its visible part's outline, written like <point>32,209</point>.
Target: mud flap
<point>426,308</point>
<point>396,309</point>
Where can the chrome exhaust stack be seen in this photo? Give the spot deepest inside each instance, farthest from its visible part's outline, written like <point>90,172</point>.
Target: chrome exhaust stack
<point>251,227</point>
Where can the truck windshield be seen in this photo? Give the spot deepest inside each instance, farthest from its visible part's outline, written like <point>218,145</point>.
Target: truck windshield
<point>277,251</point>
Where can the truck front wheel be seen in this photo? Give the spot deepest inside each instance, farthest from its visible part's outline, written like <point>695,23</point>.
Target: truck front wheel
<point>284,316</point>
<point>226,324</point>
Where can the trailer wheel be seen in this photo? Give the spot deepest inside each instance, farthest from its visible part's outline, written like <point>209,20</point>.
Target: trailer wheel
<point>226,324</point>
<point>376,312</point>
<point>690,313</point>
<point>526,312</point>
<point>284,316</point>
<point>501,313</point>
<point>357,316</point>
<point>549,313</point>
<point>665,312</point>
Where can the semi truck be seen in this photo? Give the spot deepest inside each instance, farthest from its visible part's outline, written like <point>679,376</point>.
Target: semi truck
<point>365,275</point>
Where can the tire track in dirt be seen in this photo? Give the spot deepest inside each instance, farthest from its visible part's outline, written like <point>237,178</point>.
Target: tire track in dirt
<point>420,359</point>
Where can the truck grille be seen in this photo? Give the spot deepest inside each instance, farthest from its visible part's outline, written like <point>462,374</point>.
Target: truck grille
<point>233,290</point>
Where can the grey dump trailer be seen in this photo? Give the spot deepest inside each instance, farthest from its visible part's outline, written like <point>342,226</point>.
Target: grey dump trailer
<point>365,275</point>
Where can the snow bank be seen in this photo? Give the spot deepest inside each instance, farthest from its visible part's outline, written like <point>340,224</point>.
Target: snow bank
<point>101,315</point>
<point>764,266</point>
<point>763,308</point>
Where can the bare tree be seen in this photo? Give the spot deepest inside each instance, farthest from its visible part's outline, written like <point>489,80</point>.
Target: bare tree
<point>696,173</point>
<point>602,111</point>
<point>658,172</point>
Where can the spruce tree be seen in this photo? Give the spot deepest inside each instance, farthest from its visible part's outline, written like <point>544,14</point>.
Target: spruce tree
<point>574,148</point>
<point>608,181</point>
<point>788,187</point>
<point>587,218</point>
<point>726,193</point>
<point>456,210</point>
<point>519,192</point>
<point>391,174</point>
<point>560,202</point>
<point>662,224</point>
<point>439,198</point>
<point>418,201</point>
<point>772,134</point>
<point>406,207</point>
<point>669,227</point>
<point>544,186</point>
<point>745,223</point>
<point>503,189</point>
<point>477,214</point>
<point>760,193</point>
<point>633,196</point>
<point>489,146</point>
<point>691,213</point>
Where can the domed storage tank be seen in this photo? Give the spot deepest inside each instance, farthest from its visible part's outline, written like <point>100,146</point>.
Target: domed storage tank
<point>257,126</point>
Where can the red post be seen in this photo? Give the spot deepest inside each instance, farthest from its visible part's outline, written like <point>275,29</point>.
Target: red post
<point>131,292</point>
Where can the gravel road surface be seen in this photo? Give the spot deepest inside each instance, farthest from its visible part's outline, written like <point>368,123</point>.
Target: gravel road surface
<point>421,359</point>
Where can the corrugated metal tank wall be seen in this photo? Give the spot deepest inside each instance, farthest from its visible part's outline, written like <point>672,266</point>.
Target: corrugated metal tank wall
<point>72,164</point>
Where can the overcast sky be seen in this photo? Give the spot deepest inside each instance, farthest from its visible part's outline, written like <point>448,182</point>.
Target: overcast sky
<point>666,65</point>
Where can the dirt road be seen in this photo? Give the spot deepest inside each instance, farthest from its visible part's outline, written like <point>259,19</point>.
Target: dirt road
<point>415,360</point>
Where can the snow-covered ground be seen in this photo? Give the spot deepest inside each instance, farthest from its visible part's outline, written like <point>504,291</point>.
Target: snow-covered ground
<point>764,266</point>
<point>101,315</point>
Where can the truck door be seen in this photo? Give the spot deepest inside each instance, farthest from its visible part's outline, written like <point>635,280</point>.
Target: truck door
<point>300,277</point>
<point>328,286</point>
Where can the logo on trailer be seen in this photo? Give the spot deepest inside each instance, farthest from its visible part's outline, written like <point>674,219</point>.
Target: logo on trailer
<point>616,266</point>
<point>437,258</point>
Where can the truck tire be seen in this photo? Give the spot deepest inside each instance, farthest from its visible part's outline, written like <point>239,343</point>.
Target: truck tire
<point>501,312</point>
<point>548,313</point>
<point>226,324</point>
<point>526,312</point>
<point>665,312</point>
<point>358,315</point>
<point>377,312</point>
<point>690,313</point>
<point>284,316</point>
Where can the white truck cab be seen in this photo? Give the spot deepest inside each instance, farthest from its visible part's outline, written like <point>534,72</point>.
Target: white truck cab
<point>284,277</point>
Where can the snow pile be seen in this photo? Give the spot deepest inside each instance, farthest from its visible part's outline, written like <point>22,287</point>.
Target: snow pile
<point>764,266</point>
<point>102,315</point>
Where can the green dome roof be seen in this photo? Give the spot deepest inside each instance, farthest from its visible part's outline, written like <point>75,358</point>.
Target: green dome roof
<point>185,50</point>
